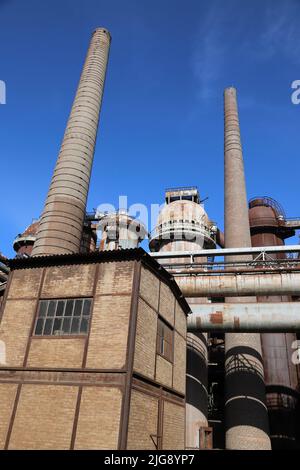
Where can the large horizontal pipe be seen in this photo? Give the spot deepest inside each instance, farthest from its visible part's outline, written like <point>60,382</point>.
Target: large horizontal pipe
<point>232,285</point>
<point>280,317</point>
<point>227,251</point>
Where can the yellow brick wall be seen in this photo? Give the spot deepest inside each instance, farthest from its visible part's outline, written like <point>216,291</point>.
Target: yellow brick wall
<point>7,398</point>
<point>149,287</point>
<point>179,363</point>
<point>56,352</point>
<point>25,283</point>
<point>109,332</point>
<point>142,421</point>
<point>145,343</point>
<point>15,329</point>
<point>180,320</point>
<point>166,303</point>
<point>173,426</point>
<point>44,418</point>
<point>69,281</point>
<point>115,278</point>
<point>99,418</point>
<point>163,371</point>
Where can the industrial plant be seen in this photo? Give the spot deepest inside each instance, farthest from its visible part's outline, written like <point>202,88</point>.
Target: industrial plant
<point>190,345</point>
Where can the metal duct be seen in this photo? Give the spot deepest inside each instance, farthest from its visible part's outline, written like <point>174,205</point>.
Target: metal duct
<point>254,284</point>
<point>269,317</point>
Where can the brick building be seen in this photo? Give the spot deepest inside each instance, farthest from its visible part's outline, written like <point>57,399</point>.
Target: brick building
<point>95,354</point>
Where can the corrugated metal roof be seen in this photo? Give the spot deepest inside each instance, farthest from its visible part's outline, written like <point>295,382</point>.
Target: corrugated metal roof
<point>137,254</point>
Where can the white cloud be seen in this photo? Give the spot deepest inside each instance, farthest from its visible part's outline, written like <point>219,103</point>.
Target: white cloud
<point>237,34</point>
<point>281,33</point>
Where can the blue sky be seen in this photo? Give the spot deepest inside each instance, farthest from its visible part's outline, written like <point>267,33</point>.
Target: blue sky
<point>162,116</point>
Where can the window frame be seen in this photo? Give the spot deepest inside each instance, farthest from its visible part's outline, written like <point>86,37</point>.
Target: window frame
<point>160,340</point>
<point>63,317</point>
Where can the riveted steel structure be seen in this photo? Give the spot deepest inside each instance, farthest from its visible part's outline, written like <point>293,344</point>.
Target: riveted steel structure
<point>246,417</point>
<point>61,225</point>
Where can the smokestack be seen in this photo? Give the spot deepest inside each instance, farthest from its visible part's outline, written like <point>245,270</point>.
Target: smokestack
<point>61,224</point>
<point>246,417</point>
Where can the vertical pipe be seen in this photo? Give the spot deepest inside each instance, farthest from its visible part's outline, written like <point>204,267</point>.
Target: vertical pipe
<point>246,417</point>
<point>61,225</point>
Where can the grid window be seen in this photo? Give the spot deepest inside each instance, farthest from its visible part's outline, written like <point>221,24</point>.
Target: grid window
<point>63,317</point>
<point>164,340</point>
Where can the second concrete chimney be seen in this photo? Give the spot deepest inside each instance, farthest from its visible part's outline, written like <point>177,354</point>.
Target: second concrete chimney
<point>246,416</point>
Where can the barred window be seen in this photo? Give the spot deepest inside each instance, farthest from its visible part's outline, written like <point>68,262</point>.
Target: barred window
<point>63,317</point>
<point>164,345</point>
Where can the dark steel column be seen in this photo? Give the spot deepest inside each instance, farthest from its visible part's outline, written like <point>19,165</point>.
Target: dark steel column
<point>61,224</point>
<point>246,416</point>
<point>281,375</point>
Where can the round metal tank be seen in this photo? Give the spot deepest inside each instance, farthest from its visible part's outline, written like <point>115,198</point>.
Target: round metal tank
<point>24,242</point>
<point>120,231</point>
<point>182,225</point>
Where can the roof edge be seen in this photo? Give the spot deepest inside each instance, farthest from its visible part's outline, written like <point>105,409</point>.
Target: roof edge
<point>133,254</point>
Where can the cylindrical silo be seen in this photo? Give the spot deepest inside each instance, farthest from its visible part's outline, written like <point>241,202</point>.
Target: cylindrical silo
<point>183,225</point>
<point>246,417</point>
<point>118,230</point>
<point>24,242</point>
<point>61,225</point>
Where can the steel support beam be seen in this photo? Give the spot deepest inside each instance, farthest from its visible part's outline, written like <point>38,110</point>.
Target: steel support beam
<point>283,317</point>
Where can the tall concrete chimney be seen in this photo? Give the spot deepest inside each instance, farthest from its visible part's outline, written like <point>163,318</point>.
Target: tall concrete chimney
<point>61,225</point>
<point>246,417</point>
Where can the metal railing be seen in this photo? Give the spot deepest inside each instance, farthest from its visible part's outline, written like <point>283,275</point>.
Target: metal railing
<point>181,226</point>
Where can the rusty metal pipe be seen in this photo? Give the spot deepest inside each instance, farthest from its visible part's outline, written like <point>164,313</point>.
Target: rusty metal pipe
<point>235,285</point>
<point>269,317</point>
